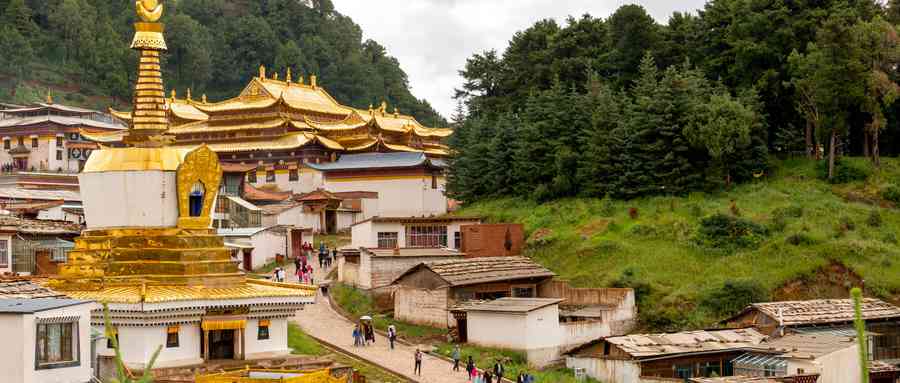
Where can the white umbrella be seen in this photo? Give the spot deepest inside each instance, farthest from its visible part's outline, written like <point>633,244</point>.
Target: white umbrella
<point>365,317</point>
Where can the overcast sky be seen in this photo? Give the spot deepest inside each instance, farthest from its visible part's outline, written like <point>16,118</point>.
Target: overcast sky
<point>433,38</point>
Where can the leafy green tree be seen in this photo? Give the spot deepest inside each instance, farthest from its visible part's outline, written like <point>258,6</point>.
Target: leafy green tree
<point>721,126</point>
<point>15,64</point>
<point>189,56</point>
<point>19,15</point>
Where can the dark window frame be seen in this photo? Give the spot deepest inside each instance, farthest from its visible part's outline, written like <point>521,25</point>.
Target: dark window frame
<point>74,347</point>
<point>34,142</point>
<point>426,236</point>
<point>59,142</point>
<point>262,332</point>
<point>270,176</point>
<point>293,175</point>
<point>21,140</point>
<point>7,144</point>
<point>251,177</point>
<point>172,338</point>
<point>59,156</point>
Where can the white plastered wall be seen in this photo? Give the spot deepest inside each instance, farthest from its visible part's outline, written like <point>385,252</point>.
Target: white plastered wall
<point>276,344</point>
<point>129,199</point>
<point>266,244</point>
<point>401,197</point>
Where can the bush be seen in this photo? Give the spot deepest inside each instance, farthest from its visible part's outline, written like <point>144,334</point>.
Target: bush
<point>733,296</point>
<point>891,193</point>
<point>800,239</point>
<point>889,238</point>
<point>607,206</point>
<point>874,219</point>
<point>844,171</point>
<point>727,232</point>
<point>629,279</point>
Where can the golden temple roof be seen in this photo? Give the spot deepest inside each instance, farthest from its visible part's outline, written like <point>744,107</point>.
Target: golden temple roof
<point>202,126</point>
<point>288,141</point>
<point>169,293</point>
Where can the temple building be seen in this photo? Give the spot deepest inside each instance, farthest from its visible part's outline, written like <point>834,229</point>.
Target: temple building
<point>48,137</point>
<point>149,250</point>
<point>280,125</point>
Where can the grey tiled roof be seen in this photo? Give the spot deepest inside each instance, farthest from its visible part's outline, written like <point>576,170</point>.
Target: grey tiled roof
<point>29,306</point>
<point>376,161</point>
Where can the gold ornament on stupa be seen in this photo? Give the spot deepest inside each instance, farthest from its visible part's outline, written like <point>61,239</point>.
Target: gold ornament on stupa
<point>150,122</point>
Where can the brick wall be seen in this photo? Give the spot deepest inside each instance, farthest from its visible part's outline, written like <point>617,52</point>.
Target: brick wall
<point>494,240</point>
<point>420,306</point>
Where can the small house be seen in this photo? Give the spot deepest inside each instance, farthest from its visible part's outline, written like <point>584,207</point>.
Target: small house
<point>373,269</point>
<point>255,246</point>
<point>47,340</point>
<point>753,379</point>
<point>425,293</point>
<point>35,247</point>
<point>533,325</point>
<point>640,358</point>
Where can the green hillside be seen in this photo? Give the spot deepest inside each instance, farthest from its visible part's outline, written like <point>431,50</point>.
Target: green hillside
<point>805,238</point>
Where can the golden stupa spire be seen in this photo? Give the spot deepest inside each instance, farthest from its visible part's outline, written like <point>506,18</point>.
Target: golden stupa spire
<point>287,77</point>
<point>150,120</point>
<point>49,96</point>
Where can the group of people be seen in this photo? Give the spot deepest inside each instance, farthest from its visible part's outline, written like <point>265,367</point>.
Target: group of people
<point>363,333</point>
<point>485,376</point>
<point>304,270</point>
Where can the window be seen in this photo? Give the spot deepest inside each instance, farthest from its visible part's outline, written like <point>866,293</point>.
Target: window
<point>21,141</point>
<point>434,181</point>
<point>606,348</point>
<point>59,155</point>
<point>387,240</point>
<point>172,337</point>
<point>251,177</point>
<point>195,200</point>
<point>6,144</point>
<point>523,292</point>
<point>56,345</point>
<point>426,236</point>
<point>684,372</point>
<point>712,369</point>
<point>4,253</point>
<point>293,175</point>
<point>59,255</point>
<point>262,332</point>
<point>457,240</point>
<point>34,142</point>
<point>270,176</point>
<point>59,142</point>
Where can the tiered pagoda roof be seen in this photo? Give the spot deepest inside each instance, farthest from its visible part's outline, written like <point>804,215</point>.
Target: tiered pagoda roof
<point>271,114</point>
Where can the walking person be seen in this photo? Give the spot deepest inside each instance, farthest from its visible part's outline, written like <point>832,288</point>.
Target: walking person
<point>470,367</point>
<point>334,254</point>
<point>356,336</point>
<point>456,358</point>
<point>418,368</point>
<point>498,371</point>
<point>392,335</point>
<point>487,377</point>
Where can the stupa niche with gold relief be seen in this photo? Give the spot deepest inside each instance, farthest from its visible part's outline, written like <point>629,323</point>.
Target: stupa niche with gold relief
<point>149,251</point>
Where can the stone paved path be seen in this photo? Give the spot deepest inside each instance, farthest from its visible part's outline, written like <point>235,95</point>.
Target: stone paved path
<point>323,323</point>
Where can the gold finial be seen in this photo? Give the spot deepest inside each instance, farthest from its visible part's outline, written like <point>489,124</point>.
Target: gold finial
<point>49,96</point>
<point>204,98</point>
<point>173,94</point>
<point>383,108</point>
<point>189,94</point>
<point>396,112</point>
<point>275,76</point>
<point>370,107</point>
<point>262,72</point>
<point>288,78</point>
<point>312,80</point>
<point>300,80</point>
<point>149,10</point>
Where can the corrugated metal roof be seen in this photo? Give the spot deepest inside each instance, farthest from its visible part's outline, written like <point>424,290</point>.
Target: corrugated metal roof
<point>805,346</point>
<point>643,346</point>
<point>30,306</point>
<point>40,194</point>
<point>820,311</point>
<point>461,272</point>
<point>513,305</point>
<point>25,289</point>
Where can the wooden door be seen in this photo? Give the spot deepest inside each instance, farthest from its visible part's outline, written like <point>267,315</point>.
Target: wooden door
<point>248,260</point>
<point>296,243</point>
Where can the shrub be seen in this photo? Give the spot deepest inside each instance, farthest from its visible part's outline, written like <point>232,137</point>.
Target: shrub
<point>891,193</point>
<point>874,219</point>
<point>846,223</point>
<point>844,171</point>
<point>793,211</point>
<point>633,212</point>
<point>725,231</point>
<point>629,279</point>
<point>607,206</point>
<point>733,296</point>
<point>800,239</point>
<point>648,231</point>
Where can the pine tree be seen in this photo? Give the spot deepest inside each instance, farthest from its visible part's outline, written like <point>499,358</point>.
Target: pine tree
<point>18,15</point>
<point>597,167</point>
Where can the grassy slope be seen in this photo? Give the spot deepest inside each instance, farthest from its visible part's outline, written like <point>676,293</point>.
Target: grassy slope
<point>659,250</point>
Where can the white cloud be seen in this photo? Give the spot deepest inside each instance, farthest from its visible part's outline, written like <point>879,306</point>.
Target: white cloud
<point>433,38</point>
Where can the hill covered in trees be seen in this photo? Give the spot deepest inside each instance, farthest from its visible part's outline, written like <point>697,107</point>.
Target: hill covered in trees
<point>627,107</point>
<point>215,46</point>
